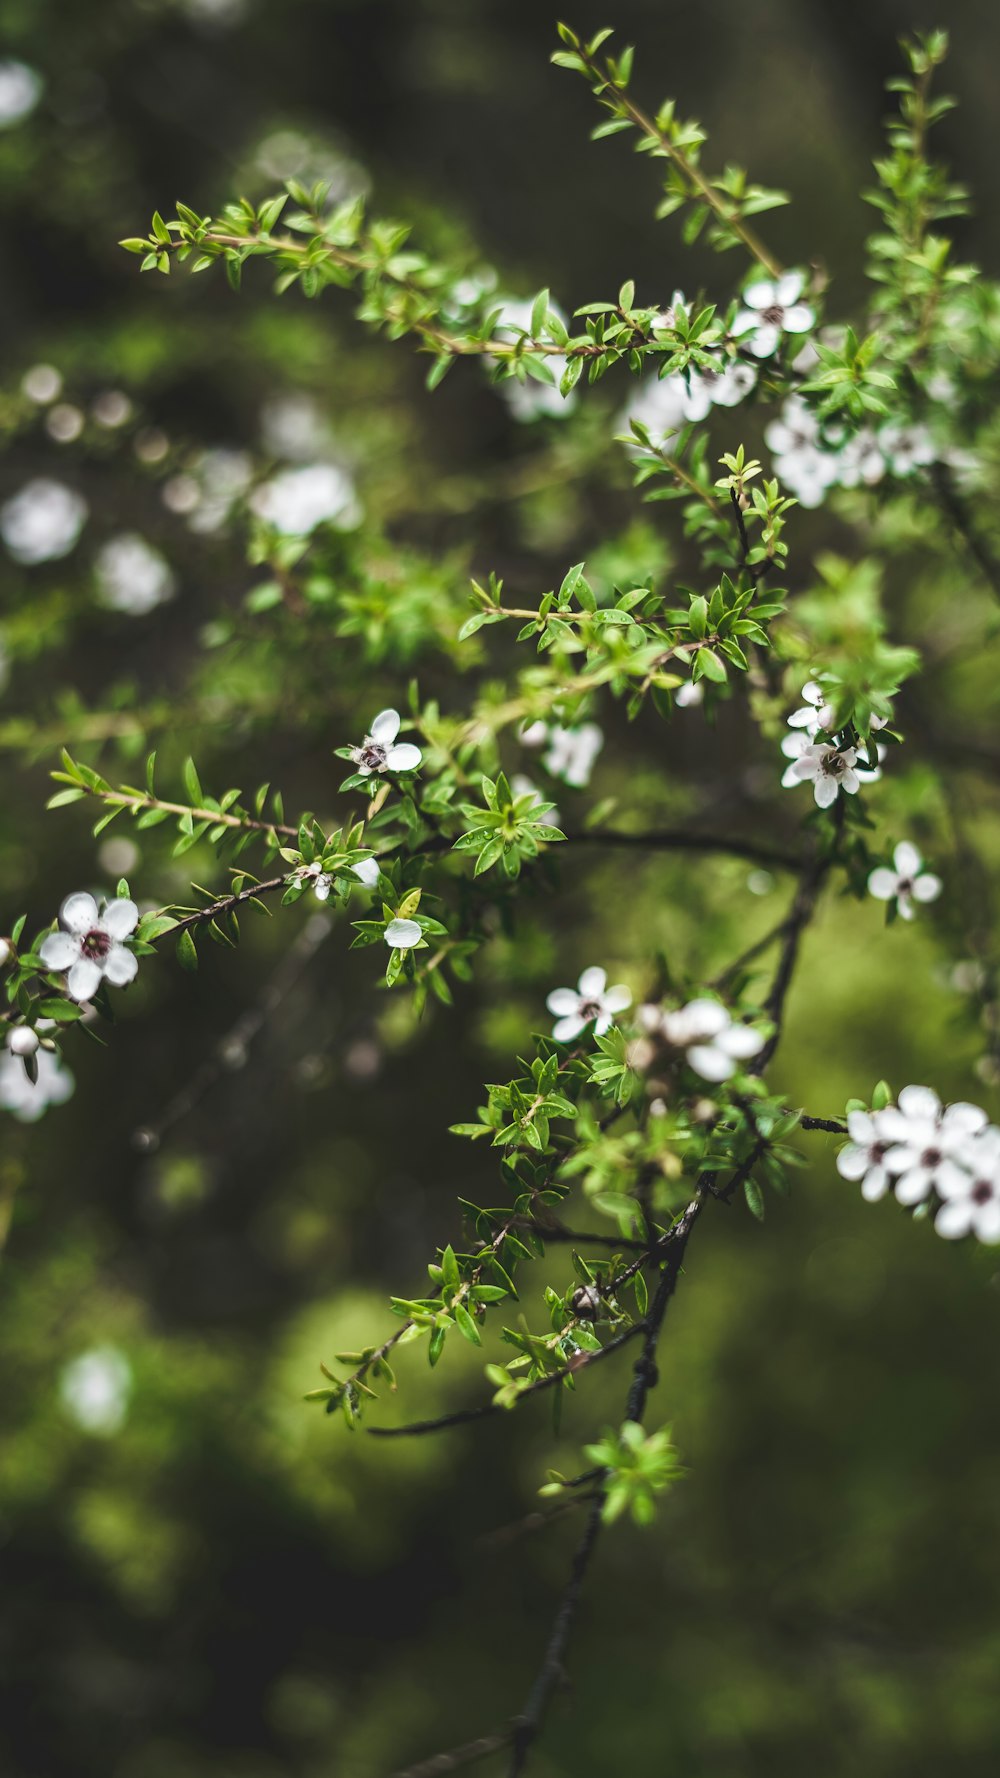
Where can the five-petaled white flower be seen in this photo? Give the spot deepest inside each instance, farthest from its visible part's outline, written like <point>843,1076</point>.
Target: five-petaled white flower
<point>830,768</point>
<point>402,935</point>
<point>800,461</point>
<point>90,947</point>
<point>772,309</point>
<point>713,1042</point>
<point>590,1002</point>
<point>381,752</point>
<point>909,882</point>
<point>864,1156</point>
<point>927,1144</point>
<point>972,1199</point>
<point>725,387</point>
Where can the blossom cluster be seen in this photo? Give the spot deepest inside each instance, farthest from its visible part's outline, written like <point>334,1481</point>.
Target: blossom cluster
<point>926,1153</point>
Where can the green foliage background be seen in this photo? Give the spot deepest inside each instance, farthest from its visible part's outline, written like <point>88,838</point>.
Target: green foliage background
<point>231,1585</point>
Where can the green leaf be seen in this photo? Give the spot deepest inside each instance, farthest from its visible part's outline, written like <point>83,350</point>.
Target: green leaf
<point>187,955</point>
<point>467,1326</point>
<point>755,1198</point>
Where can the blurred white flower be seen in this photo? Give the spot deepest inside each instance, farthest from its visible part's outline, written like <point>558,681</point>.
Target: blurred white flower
<point>590,1002</point>
<point>90,947</point>
<point>864,1156</point>
<point>95,1388</point>
<point>906,448</point>
<point>725,387</point>
<point>297,500</point>
<point>689,695</point>
<point>909,882</point>
<point>42,522</point>
<point>571,753</point>
<point>523,786</point>
<point>27,1100</point>
<point>132,576</point>
<point>800,464</point>
<point>294,426</point>
<point>380,751</point>
<point>20,90</point>
<point>772,309</point>
<point>657,403</point>
<point>42,383</point>
<point>713,1042</point>
<point>531,400</point>
<point>221,477</point>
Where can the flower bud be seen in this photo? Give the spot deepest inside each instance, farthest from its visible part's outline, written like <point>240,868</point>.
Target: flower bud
<point>23,1041</point>
<point>6,951</point>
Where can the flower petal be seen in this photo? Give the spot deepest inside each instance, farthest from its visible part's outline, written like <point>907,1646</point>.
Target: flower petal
<point>927,887</point>
<point>825,789</point>
<point>120,917</point>
<point>765,341</point>
<point>78,913</point>
<point>59,950</point>
<point>740,1041</point>
<point>120,966</point>
<point>564,1030</point>
<point>788,289</point>
<point>711,1063</point>
<point>907,859</point>
<point>385,727</point>
<point>954,1220</point>
<point>874,1185</point>
<point>367,871</point>
<point>83,980</point>
<point>920,1102</point>
<point>563,1001</point>
<point>852,1161</point>
<point>402,934</point>
<point>618,998</point>
<point>404,757</point>
<point>764,294</point>
<point>883,884</point>
<point>861,1127</point>
<point>913,1187</point>
<point>798,318</point>
<point>592,982</point>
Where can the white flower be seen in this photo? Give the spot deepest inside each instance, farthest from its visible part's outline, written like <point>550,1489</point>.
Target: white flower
<point>799,461</point>
<point>91,946</point>
<point>42,522</point>
<point>523,786</point>
<point>815,714</point>
<point>534,734</point>
<point>726,387</point>
<point>906,448</point>
<point>42,383</point>
<point>909,882</point>
<point>380,752</point>
<point>216,480</point>
<point>25,1099</point>
<point>972,1202</point>
<point>20,91</point>
<point>132,576</point>
<point>689,695</point>
<point>590,1002</point>
<point>658,404</point>
<point>22,1040</point>
<point>95,1389</point>
<point>926,1144</point>
<point>772,309</point>
<point>531,400</point>
<point>298,500</point>
<point>860,460</point>
<point>666,320</point>
<point>368,871</point>
<point>830,768</point>
<point>402,935</point>
<point>294,426</point>
<point>572,752</point>
<point>713,1042</point>
<point>864,1156</point>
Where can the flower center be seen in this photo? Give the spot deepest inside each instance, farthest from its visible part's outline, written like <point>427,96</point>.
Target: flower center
<point>773,315</point>
<point>590,1009</point>
<point>372,756</point>
<point>835,765</point>
<point>931,1157</point>
<point>982,1192</point>
<point>96,944</point>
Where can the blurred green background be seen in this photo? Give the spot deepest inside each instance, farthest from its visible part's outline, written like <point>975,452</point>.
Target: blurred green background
<point>199,1575</point>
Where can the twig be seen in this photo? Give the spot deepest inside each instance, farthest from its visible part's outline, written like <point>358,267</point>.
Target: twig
<point>458,1757</point>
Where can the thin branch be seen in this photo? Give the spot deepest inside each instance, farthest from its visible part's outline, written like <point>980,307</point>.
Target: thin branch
<point>835,1125</point>
<point>457,1757</point>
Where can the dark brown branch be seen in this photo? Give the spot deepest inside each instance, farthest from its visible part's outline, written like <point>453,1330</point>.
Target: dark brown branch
<point>457,1757</point>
